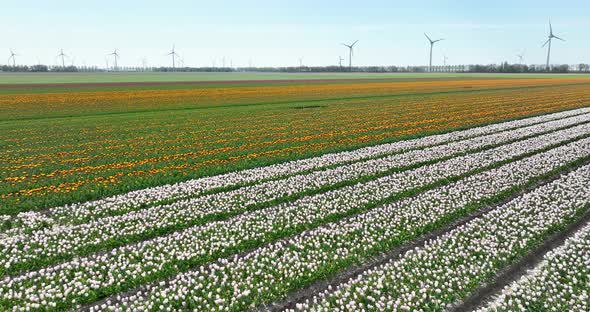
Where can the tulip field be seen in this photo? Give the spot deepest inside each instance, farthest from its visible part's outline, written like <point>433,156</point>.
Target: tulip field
<point>424,195</point>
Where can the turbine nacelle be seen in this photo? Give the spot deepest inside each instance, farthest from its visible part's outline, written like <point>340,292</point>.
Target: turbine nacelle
<point>432,42</point>
<point>551,35</point>
<point>350,46</point>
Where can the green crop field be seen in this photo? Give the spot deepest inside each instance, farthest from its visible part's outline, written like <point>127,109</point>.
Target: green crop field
<point>34,78</point>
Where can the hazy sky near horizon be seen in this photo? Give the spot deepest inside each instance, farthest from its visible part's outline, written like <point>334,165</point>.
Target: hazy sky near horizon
<point>279,32</point>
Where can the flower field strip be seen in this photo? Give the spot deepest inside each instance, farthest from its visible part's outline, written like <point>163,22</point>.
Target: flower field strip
<point>558,283</point>
<point>268,273</point>
<point>346,167</point>
<point>34,176</point>
<point>448,268</point>
<point>409,103</point>
<point>100,139</point>
<point>259,127</point>
<point>70,134</point>
<point>119,179</point>
<point>518,123</point>
<point>151,258</point>
<point>62,243</point>
<point>41,105</point>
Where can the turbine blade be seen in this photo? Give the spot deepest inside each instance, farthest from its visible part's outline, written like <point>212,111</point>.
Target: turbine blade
<point>428,37</point>
<point>550,28</point>
<point>558,38</point>
<point>546,42</point>
<point>352,45</point>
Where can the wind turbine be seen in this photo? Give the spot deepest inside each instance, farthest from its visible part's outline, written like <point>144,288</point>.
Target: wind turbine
<point>115,56</point>
<point>445,59</point>
<point>551,36</point>
<point>350,47</point>
<point>432,42</point>
<point>340,59</point>
<point>520,58</point>
<point>174,55</point>
<point>13,57</point>
<point>63,58</point>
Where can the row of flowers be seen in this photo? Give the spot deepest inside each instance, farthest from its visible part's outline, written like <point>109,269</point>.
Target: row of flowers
<point>77,103</point>
<point>268,273</point>
<point>559,283</point>
<point>148,155</point>
<point>50,246</point>
<point>78,213</point>
<point>448,268</point>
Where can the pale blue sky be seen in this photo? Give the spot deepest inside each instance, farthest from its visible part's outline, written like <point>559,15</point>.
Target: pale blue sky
<point>277,33</point>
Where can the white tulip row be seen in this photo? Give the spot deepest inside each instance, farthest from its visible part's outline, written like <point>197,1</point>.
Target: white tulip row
<point>167,193</point>
<point>150,257</point>
<point>267,273</point>
<point>67,241</point>
<point>559,283</point>
<point>273,190</point>
<point>448,268</point>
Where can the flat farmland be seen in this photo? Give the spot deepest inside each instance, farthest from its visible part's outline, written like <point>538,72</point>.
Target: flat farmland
<point>192,77</point>
<point>447,194</point>
<point>70,146</point>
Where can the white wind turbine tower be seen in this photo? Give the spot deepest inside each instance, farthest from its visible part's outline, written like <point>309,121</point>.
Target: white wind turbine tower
<point>174,56</point>
<point>520,58</point>
<point>340,59</point>
<point>115,56</point>
<point>432,42</point>
<point>13,57</point>
<point>350,53</point>
<point>63,58</point>
<point>551,36</point>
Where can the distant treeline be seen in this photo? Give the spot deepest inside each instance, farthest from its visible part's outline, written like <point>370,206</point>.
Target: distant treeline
<point>493,68</point>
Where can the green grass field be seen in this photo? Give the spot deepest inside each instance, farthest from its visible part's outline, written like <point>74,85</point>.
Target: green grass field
<point>34,78</point>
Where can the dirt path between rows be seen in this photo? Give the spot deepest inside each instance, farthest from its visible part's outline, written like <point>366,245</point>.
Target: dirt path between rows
<point>480,294</point>
<point>486,292</point>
